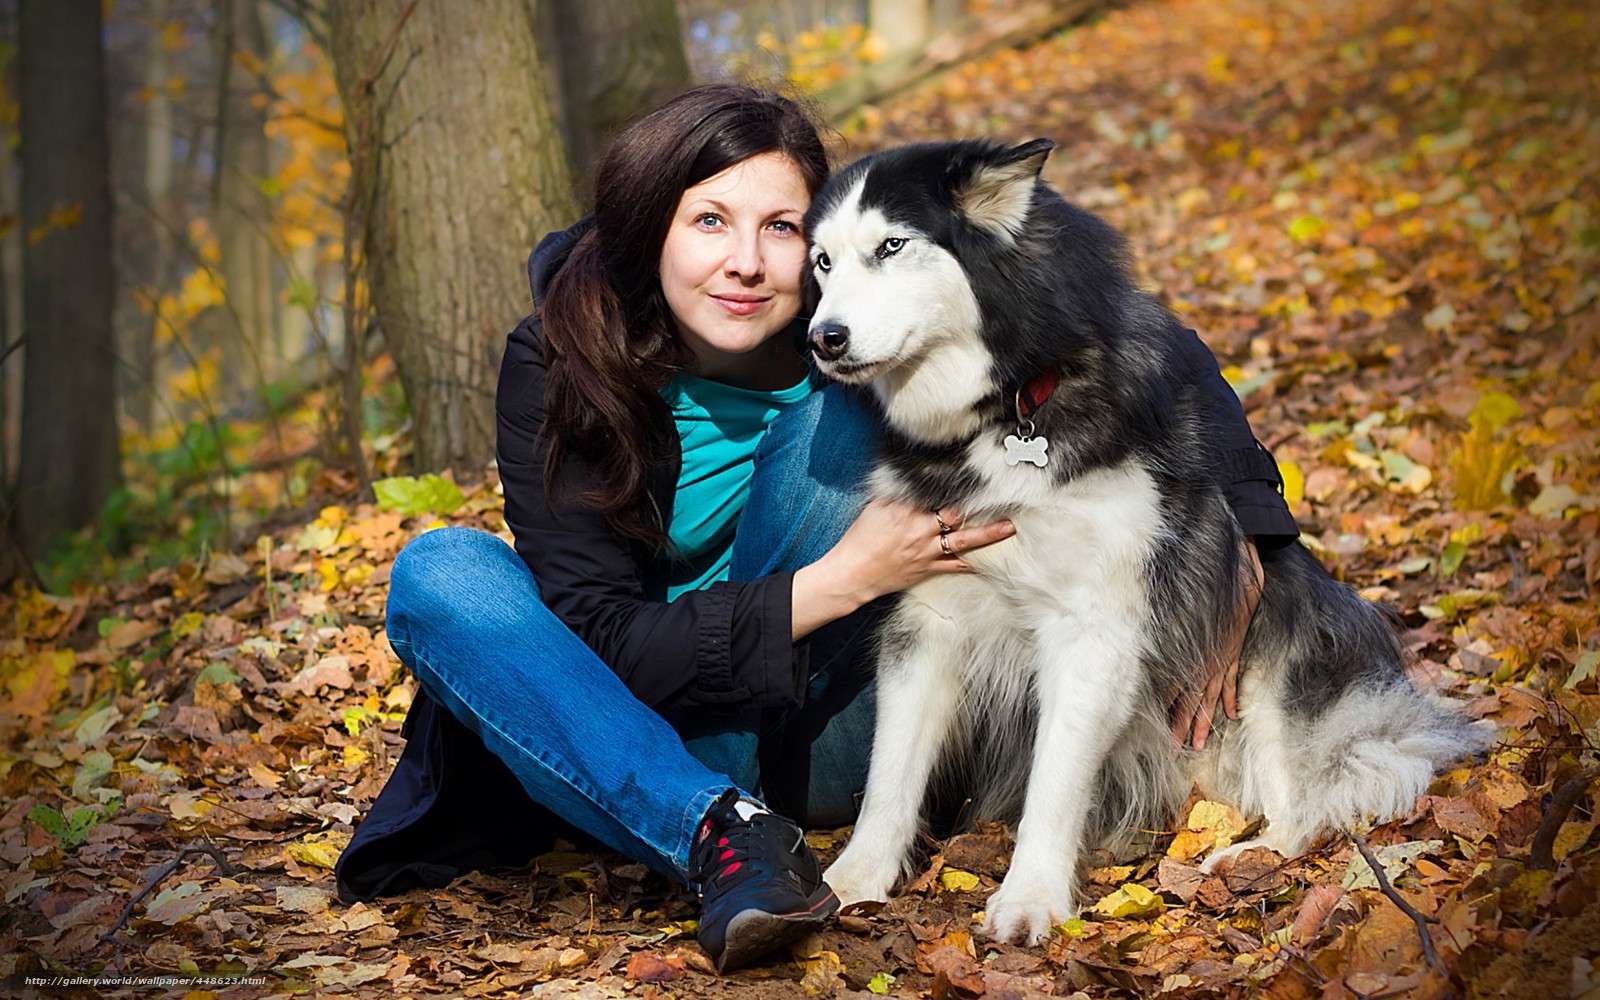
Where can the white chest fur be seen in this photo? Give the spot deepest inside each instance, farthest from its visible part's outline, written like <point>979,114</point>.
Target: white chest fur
<point>1080,549</point>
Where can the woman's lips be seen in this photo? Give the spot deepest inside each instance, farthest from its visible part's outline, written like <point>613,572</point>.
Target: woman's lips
<point>740,305</point>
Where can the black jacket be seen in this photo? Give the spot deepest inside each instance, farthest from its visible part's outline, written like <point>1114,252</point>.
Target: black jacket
<point>727,645</point>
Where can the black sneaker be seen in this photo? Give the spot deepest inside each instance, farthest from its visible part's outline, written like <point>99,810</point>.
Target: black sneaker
<point>760,886</point>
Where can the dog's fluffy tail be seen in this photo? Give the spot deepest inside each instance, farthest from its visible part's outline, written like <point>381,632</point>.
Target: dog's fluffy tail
<point>1332,732</point>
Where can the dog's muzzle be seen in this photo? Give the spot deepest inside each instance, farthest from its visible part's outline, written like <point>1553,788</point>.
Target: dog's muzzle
<point>828,341</point>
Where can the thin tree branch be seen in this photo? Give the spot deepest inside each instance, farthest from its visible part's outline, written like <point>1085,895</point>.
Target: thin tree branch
<point>1542,852</point>
<point>1422,920</point>
<point>12,348</point>
<point>224,867</point>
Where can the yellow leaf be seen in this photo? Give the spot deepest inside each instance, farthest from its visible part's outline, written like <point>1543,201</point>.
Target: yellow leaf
<point>187,624</point>
<point>824,971</point>
<point>1495,410</point>
<point>1485,455</point>
<point>1504,788</point>
<point>1572,835</point>
<point>1294,485</point>
<point>249,62</point>
<point>327,575</point>
<point>63,217</point>
<point>317,537</point>
<point>201,289</point>
<point>956,880</point>
<point>1221,819</point>
<point>319,850</point>
<point>190,805</point>
<point>355,756</point>
<point>34,682</point>
<point>1132,900</point>
<point>1190,844</point>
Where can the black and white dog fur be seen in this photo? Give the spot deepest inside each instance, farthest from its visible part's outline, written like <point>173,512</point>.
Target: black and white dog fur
<point>951,277</point>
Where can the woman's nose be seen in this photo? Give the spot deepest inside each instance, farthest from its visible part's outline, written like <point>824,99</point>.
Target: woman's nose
<point>744,257</point>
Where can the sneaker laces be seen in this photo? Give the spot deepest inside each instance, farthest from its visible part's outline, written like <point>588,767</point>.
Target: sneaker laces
<point>726,842</point>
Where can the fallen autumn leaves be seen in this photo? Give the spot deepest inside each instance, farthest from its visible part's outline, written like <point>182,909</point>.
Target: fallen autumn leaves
<point>1385,221</point>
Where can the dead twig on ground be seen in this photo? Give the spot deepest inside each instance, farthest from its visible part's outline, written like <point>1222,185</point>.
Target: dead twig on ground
<point>224,867</point>
<point>1541,853</point>
<point>1422,920</point>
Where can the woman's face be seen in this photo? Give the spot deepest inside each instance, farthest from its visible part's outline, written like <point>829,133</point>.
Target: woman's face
<point>730,267</point>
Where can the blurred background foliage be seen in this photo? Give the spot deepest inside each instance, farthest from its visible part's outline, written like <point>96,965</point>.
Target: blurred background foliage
<point>215,354</point>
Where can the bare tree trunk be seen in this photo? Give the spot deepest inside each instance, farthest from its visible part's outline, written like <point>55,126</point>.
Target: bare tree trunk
<point>11,328</point>
<point>609,60</point>
<point>460,169</point>
<point>241,209</point>
<point>69,431</point>
<point>158,162</point>
<point>903,25</point>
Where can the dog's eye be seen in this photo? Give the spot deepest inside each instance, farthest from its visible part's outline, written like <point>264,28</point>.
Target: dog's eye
<point>890,247</point>
<point>823,263</point>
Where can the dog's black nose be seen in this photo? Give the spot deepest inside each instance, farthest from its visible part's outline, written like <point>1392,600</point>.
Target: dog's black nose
<point>829,340</point>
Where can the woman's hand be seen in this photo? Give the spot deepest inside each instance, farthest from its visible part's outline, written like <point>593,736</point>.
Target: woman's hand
<point>1193,711</point>
<point>891,546</point>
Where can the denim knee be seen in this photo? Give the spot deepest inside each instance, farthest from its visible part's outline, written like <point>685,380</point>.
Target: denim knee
<point>441,573</point>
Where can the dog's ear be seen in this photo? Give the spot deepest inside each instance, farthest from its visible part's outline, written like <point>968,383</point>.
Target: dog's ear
<point>998,191</point>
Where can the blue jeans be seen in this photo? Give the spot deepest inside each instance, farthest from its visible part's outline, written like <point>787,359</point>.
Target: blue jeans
<point>465,615</point>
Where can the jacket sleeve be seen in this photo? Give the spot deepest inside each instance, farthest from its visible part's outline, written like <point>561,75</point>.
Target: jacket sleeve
<point>1247,469</point>
<point>729,644</point>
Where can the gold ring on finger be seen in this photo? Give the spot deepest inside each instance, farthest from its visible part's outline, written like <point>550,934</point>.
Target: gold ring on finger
<point>944,529</point>
<point>944,544</point>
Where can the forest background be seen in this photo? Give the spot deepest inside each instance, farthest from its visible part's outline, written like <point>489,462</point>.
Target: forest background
<point>257,262</point>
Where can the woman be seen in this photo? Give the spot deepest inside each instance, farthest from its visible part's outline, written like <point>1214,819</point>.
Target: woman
<point>683,630</point>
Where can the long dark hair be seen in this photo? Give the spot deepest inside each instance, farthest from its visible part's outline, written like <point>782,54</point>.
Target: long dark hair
<point>610,341</point>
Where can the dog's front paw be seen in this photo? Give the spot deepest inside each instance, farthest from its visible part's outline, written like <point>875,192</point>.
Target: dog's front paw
<point>859,874</point>
<point>1024,912</point>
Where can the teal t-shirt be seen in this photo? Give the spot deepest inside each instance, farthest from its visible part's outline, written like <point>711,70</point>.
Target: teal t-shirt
<point>720,427</point>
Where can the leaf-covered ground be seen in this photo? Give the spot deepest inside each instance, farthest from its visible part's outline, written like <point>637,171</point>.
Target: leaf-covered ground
<point>1383,217</point>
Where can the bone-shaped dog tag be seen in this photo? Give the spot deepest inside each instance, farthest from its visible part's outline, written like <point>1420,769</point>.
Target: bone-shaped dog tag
<point>1026,449</point>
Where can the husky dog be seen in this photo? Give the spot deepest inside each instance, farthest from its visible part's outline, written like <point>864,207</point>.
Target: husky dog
<point>1023,376</point>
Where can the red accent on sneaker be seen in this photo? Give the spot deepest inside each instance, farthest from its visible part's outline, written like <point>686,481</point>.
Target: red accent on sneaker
<point>726,854</point>
<point>722,841</point>
<point>732,868</point>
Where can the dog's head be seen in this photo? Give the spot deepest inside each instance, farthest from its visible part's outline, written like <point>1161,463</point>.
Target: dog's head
<point>888,235</point>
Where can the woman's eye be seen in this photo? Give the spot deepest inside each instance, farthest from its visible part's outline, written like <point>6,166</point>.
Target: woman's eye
<point>890,247</point>
<point>786,227</point>
<point>708,220</point>
<point>823,263</point>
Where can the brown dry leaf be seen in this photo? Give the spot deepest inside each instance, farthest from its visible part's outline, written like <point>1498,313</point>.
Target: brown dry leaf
<point>224,568</point>
<point>264,775</point>
<point>1314,910</point>
<point>645,967</point>
<point>955,970</point>
<point>1471,816</point>
<point>329,671</point>
<point>1179,879</point>
<point>131,633</point>
<point>302,898</point>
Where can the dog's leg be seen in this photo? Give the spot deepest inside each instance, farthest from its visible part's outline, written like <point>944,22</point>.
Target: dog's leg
<point>1083,709</point>
<point>918,693</point>
<point>1265,762</point>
